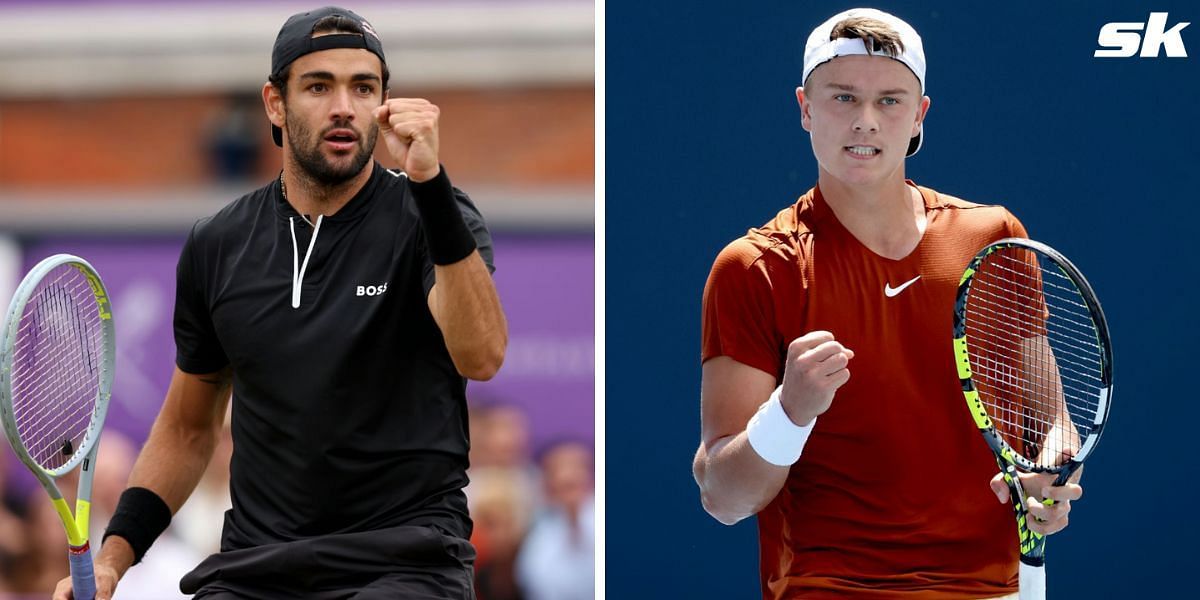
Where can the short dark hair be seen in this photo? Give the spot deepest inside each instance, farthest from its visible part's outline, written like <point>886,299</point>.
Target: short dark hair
<point>330,24</point>
<point>876,35</point>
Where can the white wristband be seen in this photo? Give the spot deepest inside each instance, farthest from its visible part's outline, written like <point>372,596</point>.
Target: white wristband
<point>774,436</point>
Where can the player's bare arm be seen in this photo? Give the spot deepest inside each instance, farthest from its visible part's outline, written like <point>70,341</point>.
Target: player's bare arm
<point>467,309</point>
<point>184,435</point>
<point>735,481</point>
<point>464,302</point>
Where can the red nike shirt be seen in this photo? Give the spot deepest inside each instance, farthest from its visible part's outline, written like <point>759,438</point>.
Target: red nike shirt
<point>891,496</point>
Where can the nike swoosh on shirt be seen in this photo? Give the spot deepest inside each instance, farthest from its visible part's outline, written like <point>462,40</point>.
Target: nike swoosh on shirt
<point>890,291</point>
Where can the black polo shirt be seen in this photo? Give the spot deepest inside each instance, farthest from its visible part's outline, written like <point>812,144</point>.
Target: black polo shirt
<point>348,414</point>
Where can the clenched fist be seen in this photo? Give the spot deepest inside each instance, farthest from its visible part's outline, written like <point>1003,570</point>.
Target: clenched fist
<point>409,127</point>
<point>815,369</point>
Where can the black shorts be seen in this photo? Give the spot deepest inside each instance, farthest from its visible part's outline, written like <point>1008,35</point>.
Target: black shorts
<point>398,562</point>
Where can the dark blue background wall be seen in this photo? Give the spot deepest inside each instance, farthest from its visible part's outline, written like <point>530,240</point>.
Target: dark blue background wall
<point>1098,157</point>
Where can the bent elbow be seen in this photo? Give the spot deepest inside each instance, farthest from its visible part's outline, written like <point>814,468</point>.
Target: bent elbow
<point>481,372</point>
<point>723,514</point>
<point>483,364</point>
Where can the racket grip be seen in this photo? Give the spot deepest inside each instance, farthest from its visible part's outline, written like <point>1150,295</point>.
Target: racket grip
<point>1033,581</point>
<point>83,578</point>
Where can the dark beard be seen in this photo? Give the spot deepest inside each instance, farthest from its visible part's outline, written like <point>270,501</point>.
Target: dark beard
<point>313,163</point>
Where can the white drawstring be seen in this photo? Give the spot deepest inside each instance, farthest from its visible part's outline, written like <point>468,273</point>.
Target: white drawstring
<point>298,271</point>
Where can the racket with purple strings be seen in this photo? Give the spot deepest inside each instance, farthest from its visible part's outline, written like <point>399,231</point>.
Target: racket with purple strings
<point>56,371</point>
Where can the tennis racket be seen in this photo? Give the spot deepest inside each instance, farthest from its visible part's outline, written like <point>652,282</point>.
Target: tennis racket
<point>56,369</point>
<point>1035,361</point>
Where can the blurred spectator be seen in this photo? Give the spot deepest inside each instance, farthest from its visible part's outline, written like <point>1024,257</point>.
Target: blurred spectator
<point>500,449</point>
<point>557,559</point>
<point>114,459</point>
<point>12,532</point>
<point>500,437</point>
<point>33,546</point>
<point>44,561</point>
<point>500,523</point>
<point>502,496</point>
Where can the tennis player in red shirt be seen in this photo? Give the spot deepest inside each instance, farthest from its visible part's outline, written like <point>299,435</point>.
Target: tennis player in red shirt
<point>858,276</point>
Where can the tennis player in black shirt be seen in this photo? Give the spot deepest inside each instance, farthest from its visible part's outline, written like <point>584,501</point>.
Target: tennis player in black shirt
<point>343,306</point>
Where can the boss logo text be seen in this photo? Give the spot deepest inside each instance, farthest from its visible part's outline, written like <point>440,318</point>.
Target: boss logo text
<point>371,290</point>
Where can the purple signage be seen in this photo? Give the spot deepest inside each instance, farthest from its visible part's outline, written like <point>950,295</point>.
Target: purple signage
<point>546,285</point>
<point>140,277</point>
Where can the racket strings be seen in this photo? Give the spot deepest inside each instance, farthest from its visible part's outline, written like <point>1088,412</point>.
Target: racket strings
<point>1078,392</point>
<point>1004,309</point>
<point>1039,287</point>
<point>78,375</point>
<point>1014,291</point>
<point>1066,324</point>
<point>1019,418</point>
<point>1035,353</point>
<point>56,367</point>
<point>1077,387</point>
<point>59,403</point>
<point>63,406</point>
<point>1081,366</point>
<point>57,445</point>
<point>1037,391</point>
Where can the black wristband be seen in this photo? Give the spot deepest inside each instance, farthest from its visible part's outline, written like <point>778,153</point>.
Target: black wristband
<point>141,517</point>
<point>449,238</point>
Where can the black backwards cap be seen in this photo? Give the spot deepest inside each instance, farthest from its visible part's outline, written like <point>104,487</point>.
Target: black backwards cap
<point>296,39</point>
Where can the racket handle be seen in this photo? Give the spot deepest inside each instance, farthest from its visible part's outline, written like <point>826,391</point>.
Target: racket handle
<point>1033,581</point>
<point>83,578</point>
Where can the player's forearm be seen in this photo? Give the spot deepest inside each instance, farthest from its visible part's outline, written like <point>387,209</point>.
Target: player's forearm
<point>184,436</point>
<point>115,554</point>
<point>735,482</point>
<point>174,460</point>
<point>170,465</point>
<point>463,299</point>
<point>468,311</point>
